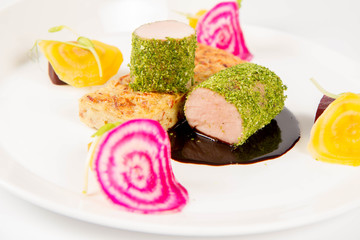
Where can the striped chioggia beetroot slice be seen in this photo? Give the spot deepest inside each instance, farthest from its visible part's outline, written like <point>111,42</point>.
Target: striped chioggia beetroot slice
<point>132,164</point>
<point>220,28</point>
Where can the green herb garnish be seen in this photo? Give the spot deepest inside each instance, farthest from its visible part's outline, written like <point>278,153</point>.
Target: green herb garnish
<point>107,127</point>
<point>34,52</point>
<point>322,90</point>
<point>239,2</point>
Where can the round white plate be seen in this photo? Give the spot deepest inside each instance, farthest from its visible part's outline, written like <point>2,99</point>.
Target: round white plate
<point>43,148</point>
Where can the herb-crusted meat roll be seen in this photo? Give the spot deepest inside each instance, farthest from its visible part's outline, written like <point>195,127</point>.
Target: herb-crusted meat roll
<point>236,102</point>
<point>162,57</point>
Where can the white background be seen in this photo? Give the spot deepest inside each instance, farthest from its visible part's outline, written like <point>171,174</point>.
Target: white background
<point>334,24</point>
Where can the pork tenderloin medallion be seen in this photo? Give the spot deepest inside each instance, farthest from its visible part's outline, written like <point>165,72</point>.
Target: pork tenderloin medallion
<point>162,57</point>
<point>236,102</point>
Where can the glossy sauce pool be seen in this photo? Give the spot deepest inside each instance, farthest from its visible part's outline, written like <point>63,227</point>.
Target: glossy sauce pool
<point>272,141</point>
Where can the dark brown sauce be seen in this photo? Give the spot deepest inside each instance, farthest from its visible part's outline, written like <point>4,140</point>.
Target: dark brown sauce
<point>272,141</point>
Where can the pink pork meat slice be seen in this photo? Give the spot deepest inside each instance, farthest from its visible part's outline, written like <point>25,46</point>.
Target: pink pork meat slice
<point>211,114</point>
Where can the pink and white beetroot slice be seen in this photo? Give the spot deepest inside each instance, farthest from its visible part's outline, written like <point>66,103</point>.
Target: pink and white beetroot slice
<point>220,28</point>
<point>133,167</point>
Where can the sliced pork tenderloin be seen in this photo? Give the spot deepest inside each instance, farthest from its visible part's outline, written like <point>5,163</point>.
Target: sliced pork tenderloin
<point>236,102</point>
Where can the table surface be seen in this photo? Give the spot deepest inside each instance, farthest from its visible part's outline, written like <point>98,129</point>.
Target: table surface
<point>334,24</point>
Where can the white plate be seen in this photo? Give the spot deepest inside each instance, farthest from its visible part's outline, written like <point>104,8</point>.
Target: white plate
<point>43,144</point>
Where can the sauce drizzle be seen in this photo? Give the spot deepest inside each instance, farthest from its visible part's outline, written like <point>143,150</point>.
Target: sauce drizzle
<point>272,141</point>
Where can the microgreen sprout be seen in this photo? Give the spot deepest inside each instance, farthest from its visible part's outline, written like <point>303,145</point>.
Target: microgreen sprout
<point>34,52</point>
<point>90,157</point>
<point>105,128</point>
<point>188,15</point>
<point>322,90</point>
<point>61,27</point>
<point>89,163</point>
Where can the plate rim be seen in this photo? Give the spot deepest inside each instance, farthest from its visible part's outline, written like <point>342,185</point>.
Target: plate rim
<point>17,190</point>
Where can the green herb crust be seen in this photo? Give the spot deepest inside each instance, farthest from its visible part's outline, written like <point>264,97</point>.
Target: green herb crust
<point>255,91</point>
<point>162,65</point>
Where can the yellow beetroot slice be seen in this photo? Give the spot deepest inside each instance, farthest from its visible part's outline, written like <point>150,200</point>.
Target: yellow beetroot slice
<point>77,66</point>
<point>193,20</point>
<point>335,136</point>
<point>132,163</point>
